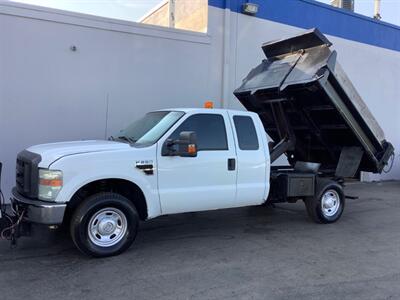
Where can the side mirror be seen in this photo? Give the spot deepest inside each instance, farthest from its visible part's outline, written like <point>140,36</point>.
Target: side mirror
<point>186,145</point>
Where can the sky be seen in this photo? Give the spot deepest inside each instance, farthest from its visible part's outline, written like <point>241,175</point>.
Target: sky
<point>390,9</point>
<point>130,10</point>
<point>133,10</point>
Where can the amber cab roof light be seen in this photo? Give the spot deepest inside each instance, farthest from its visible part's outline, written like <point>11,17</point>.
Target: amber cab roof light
<point>208,104</point>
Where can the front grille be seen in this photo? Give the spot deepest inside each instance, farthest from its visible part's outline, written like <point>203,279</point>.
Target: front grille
<point>27,172</point>
<point>20,175</point>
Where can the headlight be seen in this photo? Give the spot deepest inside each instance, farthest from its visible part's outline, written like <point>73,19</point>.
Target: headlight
<point>50,184</point>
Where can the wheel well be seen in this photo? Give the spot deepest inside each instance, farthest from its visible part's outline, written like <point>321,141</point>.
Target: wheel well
<point>123,187</point>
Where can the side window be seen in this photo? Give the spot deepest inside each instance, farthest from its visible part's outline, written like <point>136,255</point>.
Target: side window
<point>246,133</point>
<point>210,130</point>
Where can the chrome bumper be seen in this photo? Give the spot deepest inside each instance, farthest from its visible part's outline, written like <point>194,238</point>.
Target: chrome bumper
<point>37,211</point>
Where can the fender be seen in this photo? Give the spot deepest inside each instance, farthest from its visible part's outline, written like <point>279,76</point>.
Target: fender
<point>82,169</point>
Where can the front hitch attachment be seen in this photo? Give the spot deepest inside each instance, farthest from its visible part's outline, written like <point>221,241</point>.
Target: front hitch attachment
<point>11,225</point>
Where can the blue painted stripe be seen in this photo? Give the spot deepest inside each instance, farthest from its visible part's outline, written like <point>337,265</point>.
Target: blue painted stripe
<point>328,19</point>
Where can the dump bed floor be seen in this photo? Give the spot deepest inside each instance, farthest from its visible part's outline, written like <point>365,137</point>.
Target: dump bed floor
<point>323,111</point>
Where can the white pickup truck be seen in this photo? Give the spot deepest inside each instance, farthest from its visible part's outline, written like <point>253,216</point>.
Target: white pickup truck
<point>187,160</point>
<point>168,162</point>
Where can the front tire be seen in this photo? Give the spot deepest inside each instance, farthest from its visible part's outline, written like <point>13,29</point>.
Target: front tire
<point>104,224</point>
<point>328,204</point>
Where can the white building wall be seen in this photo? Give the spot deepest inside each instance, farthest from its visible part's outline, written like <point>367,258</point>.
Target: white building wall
<point>121,70</point>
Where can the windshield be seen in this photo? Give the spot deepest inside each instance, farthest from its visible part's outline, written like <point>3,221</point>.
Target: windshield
<point>147,130</point>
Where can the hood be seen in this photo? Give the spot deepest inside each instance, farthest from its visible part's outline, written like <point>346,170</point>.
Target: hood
<point>54,151</point>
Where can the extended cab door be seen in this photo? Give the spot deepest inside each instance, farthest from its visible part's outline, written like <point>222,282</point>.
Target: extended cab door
<point>207,181</point>
<point>253,161</point>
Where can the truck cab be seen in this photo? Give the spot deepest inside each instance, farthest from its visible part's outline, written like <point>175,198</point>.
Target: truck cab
<point>170,161</point>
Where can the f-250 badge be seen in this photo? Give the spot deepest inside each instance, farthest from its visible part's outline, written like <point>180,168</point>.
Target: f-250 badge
<point>146,166</point>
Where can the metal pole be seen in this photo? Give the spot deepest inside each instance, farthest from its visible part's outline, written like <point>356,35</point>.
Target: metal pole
<point>377,9</point>
<point>226,92</point>
<point>171,13</point>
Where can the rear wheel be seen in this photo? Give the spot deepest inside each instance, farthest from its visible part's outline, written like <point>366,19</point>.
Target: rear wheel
<point>328,204</point>
<point>105,224</point>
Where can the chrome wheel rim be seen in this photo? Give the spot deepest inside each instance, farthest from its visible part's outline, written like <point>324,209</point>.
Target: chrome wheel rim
<point>107,227</point>
<point>330,203</point>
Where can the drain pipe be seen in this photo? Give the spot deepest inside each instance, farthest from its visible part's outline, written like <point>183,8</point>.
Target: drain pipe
<point>226,56</point>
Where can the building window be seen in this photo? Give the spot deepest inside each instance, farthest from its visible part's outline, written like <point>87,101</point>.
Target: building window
<point>181,14</point>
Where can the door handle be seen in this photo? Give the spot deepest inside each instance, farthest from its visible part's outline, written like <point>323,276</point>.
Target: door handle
<point>231,164</point>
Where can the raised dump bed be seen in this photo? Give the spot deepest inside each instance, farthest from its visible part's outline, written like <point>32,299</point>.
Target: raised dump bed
<point>311,110</point>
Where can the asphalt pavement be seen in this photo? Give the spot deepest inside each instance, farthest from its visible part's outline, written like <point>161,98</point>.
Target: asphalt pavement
<point>244,253</point>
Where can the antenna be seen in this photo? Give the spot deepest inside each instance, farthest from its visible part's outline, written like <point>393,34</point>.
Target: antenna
<point>2,207</point>
<point>1,167</point>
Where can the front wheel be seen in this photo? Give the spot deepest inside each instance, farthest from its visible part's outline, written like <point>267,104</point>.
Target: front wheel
<point>328,204</point>
<point>105,224</point>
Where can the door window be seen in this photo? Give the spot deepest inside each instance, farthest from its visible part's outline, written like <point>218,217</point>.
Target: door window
<point>246,133</point>
<point>210,130</point>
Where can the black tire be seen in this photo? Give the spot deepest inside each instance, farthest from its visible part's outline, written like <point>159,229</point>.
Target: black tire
<point>90,207</point>
<point>314,204</point>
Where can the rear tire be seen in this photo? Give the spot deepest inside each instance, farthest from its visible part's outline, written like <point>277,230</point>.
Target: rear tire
<point>328,204</point>
<point>104,224</point>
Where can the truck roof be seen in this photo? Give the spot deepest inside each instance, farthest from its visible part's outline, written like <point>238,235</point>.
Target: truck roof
<point>207,110</point>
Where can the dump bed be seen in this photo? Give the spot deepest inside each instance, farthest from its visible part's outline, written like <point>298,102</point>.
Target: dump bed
<point>310,108</point>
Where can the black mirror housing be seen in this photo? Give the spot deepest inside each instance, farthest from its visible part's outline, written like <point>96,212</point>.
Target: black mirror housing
<point>186,145</point>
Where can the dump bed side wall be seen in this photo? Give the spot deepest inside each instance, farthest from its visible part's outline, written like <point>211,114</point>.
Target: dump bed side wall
<point>323,109</point>
<point>357,101</point>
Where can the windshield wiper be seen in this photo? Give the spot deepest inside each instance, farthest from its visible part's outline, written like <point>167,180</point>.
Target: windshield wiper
<point>126,138</point>
<point>122,137</point>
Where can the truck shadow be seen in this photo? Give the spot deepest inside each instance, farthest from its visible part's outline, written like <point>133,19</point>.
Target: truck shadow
<point>206,227</point>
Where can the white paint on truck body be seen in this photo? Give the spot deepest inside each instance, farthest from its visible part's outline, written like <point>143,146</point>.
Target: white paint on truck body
<point>53,151</point>
<point>178,184</point>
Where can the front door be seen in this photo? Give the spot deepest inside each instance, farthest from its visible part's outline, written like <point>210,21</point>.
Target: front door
<point>204,182</point>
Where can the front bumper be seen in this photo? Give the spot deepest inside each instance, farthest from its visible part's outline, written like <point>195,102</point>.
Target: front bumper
<point>37,211</point>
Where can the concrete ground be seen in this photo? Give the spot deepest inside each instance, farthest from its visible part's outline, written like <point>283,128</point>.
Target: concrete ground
<point>245,253</point>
